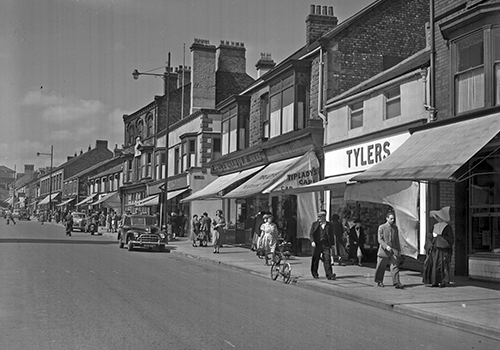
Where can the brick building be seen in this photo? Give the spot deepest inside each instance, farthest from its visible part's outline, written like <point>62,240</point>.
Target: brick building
<point>273,130</point>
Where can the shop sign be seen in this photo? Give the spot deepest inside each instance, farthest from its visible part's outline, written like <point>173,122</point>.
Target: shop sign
<point>239,163</point>
<point>175,184</point>
<point>359,157</point>
<point>305,172</point>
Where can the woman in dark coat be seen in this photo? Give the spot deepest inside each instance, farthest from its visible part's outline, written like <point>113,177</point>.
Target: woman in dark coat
<point>439,248</point>
<point>356,242</point>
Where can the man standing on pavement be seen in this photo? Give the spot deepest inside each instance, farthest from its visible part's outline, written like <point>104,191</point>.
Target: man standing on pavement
<point>322,238</point>
<point>388,252</point>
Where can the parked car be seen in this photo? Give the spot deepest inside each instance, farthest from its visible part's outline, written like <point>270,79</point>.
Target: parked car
<point>141,231</point>
<point>79,221</point>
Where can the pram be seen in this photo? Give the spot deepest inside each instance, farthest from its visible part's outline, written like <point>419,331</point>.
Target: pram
<point>202,239</point>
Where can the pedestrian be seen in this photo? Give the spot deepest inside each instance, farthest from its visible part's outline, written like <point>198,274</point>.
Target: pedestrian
<point>322,238</point>
<point>10,217</point>
<point>42,217</point>
<point>269,237</point>
<point>257,222</point>
<point>173,224</point>
<point>206,226</point>
<point>291,233</point>
<point>389,251</point>
<point>69,224</point>
<point>108,221</point>
<point>218,225</point>
<point>338,233</point>
<point>356,242</point>
<point>195,230</point>
<point>439,248</point>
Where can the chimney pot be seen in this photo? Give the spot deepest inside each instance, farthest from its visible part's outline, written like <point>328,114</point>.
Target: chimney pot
<point>324,10</point>
<point>318,9</point>
<point>312,9</point>
<point>330,10</point>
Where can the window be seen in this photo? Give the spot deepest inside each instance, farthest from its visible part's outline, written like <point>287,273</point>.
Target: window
<point>282,107</point>
<point>149,125</point>
<point>146,165</point>
<point>393,103</point>
<point>140,127</point>
<point>160,166</point>
<point>356,115</point>
<point>177,161</point>
<point>230,130</point>
<point>130,134</point>
<point>192,153</point>
<point>216,148</point>
<point>469,73</point>
<point>264,114</point>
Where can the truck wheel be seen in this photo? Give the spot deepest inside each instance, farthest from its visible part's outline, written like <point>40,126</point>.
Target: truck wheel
<point>130,246</point>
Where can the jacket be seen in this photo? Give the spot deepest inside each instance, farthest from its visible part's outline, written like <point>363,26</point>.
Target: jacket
<point>314,234</point>
<point>388,236</point>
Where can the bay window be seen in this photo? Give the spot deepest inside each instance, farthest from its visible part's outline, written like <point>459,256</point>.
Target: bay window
<point>235,127</point>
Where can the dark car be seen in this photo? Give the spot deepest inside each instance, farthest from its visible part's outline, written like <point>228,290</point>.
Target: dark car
<point>79,221</point>
<point>23,215</point>
<point>141,231</point>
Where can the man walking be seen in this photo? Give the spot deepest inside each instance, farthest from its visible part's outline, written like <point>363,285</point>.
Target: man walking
<point>388,252</point>
<point>322,238</point>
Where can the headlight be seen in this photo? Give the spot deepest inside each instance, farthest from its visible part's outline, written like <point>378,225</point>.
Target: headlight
<point>136,234</point>
<point>162,235</point>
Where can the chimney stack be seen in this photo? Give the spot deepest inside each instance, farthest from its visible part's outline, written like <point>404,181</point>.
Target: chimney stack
<point>231,57</point>
<point>202,75</point>
<point>264,64</point>
<point>183,73</point>
<point>320,20</point>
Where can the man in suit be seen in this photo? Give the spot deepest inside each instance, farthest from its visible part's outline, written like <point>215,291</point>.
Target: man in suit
<point>356,242</point>
<point>388,252</point>
<point>322,238</point>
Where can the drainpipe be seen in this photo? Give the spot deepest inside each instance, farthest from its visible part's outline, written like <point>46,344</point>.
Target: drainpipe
<point>432,73</point>
<point>320,93</point>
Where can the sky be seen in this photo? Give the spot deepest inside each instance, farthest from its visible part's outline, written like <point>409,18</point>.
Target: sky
<point>66,65</point>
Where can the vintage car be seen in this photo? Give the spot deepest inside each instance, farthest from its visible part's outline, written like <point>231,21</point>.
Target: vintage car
<point>23,215</point>
<point>141,231</point>
<point>79,221</point>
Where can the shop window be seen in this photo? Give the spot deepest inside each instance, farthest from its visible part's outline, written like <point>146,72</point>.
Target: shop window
<point>356,115</point>
<point>393,103</point>
<point>484,200</point>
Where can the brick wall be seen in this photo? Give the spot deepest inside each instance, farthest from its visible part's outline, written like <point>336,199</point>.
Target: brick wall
<point>255,123</point>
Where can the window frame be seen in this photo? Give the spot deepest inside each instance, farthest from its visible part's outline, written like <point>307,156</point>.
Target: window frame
<point>356,112</point>
<point>389,99</point>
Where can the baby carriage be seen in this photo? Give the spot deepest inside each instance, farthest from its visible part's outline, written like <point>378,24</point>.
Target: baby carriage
<point>202,239</point>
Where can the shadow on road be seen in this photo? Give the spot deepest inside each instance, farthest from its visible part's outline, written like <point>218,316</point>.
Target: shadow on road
<point>54,241</point>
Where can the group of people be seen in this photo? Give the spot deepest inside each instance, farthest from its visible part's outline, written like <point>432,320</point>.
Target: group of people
<point>436,273</point>
<point>205,229</point>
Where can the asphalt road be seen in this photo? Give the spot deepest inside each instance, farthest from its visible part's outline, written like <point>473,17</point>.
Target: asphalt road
<point>83,292</point>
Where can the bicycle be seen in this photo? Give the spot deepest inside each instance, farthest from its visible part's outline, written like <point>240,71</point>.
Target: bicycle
<point>281,266</point>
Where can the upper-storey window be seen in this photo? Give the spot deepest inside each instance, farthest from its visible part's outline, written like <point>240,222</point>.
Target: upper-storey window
<point>149,125</point>
<point>281,119</point>
<point>356,115</point>
<point>264,115</point>
<point>140,127</point>
<point>234,129</point>
<point>130,134</point>
<point>476,68</point>
<point>393,103</point>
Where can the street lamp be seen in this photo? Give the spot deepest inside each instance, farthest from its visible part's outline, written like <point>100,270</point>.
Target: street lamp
<point>165,76</point>
<point>51,154</point>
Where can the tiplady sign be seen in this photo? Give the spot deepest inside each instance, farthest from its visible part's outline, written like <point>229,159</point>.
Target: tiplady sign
<point>359,157</point>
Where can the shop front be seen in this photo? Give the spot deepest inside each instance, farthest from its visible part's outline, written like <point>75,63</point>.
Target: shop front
<point>461,159</point>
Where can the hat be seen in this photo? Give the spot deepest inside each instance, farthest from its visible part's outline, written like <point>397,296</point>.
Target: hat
<point>322,213</point>
<point>268,216</point>
<point>443,214</point>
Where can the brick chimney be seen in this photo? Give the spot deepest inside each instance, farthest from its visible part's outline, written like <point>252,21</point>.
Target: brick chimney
<point>264,64</point>
<point>183,72</point>
<point>202,75</point>
<point>101,144</point>
<point>231,57</point>
<point>172,80</point>
<point>319,21</point>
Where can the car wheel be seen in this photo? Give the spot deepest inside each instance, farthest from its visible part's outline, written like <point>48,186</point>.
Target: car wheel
<point>161,248</point>
<point>120,243</point>
<point>130,246</point>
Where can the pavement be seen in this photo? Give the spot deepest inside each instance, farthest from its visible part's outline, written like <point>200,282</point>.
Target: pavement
<point>466,304</point>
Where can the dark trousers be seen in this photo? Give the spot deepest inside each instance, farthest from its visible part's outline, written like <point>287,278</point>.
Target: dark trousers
<point>327,260</point>
<point>382,264</point>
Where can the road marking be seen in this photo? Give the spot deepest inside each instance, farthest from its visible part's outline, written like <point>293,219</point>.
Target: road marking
<point>230,343</point>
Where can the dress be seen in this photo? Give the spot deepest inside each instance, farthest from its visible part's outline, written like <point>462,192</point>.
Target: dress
<point>269,237</point>
<point>218,224</point>
<point>439,251</point>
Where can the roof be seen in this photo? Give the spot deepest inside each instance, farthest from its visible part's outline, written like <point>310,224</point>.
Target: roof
<point>112,170</point>
<point>229,83</point>
<point>90,169</point>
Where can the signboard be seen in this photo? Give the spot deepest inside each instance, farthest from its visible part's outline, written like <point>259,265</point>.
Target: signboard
<point>359,157</point>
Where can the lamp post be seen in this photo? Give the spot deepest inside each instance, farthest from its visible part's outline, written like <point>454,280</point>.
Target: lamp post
<point>165,76</point>
<point>51,154</point>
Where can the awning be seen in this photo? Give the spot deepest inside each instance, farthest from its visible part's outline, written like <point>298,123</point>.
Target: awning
<point>213,189</point>
<point>148,201</point>
<point>86,200</point>
<point>323,185</point>
<point>8,200</point>
<point>65,202</point>
<point>111,198</point>
<point>435,154</point>
<point>173,194</point>
<point>46,200</point>
<point>304,172</point>
<point>263,179</point>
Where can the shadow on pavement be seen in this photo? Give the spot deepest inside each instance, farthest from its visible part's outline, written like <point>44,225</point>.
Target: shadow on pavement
<point>54,241</point>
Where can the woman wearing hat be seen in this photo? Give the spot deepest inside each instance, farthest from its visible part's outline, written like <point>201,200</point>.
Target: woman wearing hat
<point>439,248</point>
<point>269,237</point>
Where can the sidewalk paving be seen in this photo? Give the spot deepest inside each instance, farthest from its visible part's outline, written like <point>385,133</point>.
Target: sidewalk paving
<point>467,304</point>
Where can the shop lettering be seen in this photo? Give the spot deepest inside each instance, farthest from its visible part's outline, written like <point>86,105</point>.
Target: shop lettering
<point>369,154</point>
<point>303,177</point>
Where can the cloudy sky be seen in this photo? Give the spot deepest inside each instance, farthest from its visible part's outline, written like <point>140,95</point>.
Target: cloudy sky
<point>66,65</point>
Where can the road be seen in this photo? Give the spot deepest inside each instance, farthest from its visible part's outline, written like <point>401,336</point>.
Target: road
<point>83,292</point>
